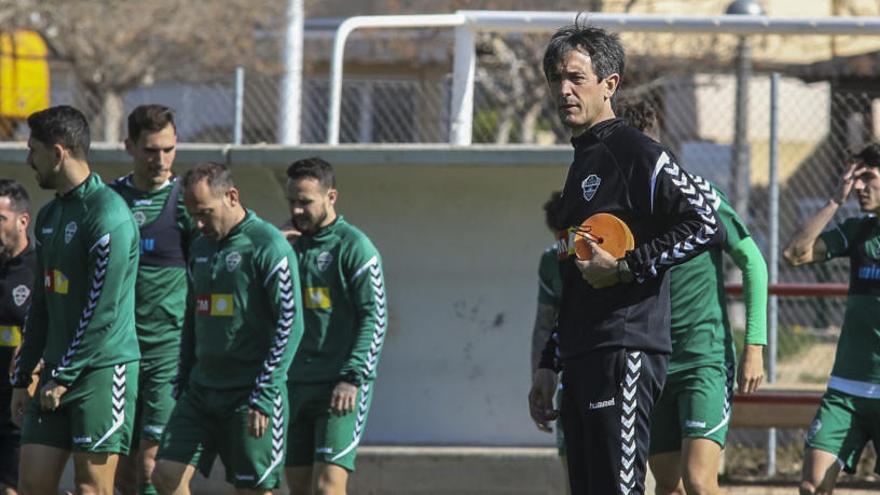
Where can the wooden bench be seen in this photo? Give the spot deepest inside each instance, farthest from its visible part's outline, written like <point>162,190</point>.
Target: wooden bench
<point>775,408</point>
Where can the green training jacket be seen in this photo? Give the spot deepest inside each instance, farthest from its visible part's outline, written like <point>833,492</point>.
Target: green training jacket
<point>82,311</point>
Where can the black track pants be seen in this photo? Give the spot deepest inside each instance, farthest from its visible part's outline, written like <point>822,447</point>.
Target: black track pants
<point>606,408</point>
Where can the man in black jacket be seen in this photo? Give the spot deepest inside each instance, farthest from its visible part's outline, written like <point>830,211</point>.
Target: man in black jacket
<point>17,275</point>
<point>613,328</point>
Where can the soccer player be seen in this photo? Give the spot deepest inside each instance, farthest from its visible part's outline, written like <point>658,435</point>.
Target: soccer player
<point>689,422</point>
<point>154,196</point>
<point>549,293</point>
<point>849,414</point>
<point>241,332</point>
<point>18,269</point>
<point>549,285</point>
<point>614,313</point>
<point>331,380</point>
<point>81,320</point>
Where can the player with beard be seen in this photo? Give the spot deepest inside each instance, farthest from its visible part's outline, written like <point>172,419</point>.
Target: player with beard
<point>81,320</point>
<point>331,379</point>
<point>17,274</point>
<point>849,414</point>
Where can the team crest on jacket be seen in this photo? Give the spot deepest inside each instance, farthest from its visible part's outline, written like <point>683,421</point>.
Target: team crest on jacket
<point>20,294</point>
<point>69,232</point>
<point>233,259</point>
<point>324,260</point>
<point>590,185</point>
<point>872,248</point>
<point>140,218</point>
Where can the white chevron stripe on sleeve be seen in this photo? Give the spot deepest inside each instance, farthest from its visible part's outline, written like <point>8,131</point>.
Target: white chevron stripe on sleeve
<point>367,265</point>
<point>281,265</point>
<point>661,162</point>
<point>379,303</point>
<point>286,314</point>
<point>102,249</point>
<point>699,194</point>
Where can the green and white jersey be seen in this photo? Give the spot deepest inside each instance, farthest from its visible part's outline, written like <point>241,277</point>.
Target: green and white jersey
<point>857,364</point>
<point>549,279</point>
<point>701,331</point>
<point>244,323</point>
<point>160,293</point>
<point>345,313</point>
<point>82,313</point>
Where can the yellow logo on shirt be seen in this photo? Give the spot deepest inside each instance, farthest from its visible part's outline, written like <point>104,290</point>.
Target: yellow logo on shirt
<point>215,304</point>
<point>317,298</point>
<point>55,281</point>
<point>10,336</point>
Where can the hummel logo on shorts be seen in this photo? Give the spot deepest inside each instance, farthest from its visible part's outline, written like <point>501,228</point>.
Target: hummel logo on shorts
<point>601,404</point>
<point>692,423</point>
<point>324,450</point>
<point>244,477</point>
<point>82,439</point>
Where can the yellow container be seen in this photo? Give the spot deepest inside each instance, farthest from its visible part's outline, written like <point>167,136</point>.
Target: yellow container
<point>24,74</point>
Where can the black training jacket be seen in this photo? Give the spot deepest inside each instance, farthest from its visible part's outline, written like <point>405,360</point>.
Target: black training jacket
<point>17,277</point>
<point>619,170</point>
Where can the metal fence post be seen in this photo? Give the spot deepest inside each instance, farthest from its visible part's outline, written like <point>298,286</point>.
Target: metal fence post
<point>773,262</point>
<point>365,113</point>
<point>238,121</point>
<point>741,158</point>
<point>291,84</point>
<point>464,67</point>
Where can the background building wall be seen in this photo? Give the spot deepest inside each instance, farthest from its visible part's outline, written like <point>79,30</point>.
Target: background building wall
<point>460,244</point>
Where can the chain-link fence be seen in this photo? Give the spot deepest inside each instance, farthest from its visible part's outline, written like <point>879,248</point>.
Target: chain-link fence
<point>826,111</point>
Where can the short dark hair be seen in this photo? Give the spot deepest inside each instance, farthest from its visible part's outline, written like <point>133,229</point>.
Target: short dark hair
<point>605,50</point>
<point>553,211</point>
<point>149,118</point>
<point>218,176</point>
<point>19,201</point>
<point>869,155</point>
<point>639,112</point>
<point>62,125</point>
<point>313,168</point>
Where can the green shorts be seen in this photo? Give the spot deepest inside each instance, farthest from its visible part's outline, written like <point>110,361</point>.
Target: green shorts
<point>843,425</point>
<point>96,413</point>
<point>155,401</point>
<point>695,403</point>
<point>318,435</point>
<point>207,421</point>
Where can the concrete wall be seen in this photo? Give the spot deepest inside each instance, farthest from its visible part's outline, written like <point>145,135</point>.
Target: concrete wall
<point>460,231</point>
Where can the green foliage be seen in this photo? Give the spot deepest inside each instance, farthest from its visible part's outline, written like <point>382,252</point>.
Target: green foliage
<point>485,126</point>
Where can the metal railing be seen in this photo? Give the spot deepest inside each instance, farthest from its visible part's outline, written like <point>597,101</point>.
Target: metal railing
<point>468,23</point>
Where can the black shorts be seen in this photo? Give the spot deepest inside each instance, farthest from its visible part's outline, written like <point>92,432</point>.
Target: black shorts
<point>607,397</point>
<point>9,441</point>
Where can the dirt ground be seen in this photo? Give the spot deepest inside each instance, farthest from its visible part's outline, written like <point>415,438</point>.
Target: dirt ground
<point>790,489</point>
<point>809,369</point>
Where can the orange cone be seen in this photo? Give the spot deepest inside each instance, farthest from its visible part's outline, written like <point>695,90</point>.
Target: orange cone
<point>607,231</point>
